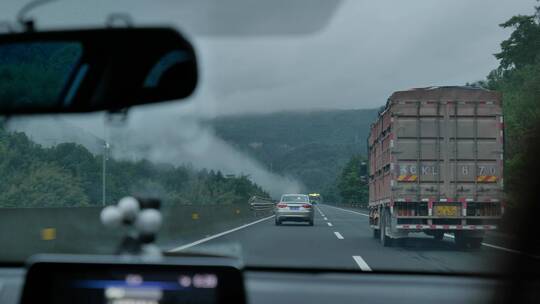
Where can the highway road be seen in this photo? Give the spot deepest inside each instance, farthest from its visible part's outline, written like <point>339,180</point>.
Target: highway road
<point>341,238</point>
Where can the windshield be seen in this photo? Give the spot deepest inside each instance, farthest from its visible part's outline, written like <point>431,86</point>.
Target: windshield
<point>396,116</point>
<point>295,198</point>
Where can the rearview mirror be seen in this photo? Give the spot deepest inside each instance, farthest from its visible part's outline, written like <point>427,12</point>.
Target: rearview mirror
<point>93,70</point>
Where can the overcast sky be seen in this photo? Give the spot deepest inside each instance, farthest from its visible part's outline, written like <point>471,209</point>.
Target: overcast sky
<point>284,55</point>
<point>361,52</point>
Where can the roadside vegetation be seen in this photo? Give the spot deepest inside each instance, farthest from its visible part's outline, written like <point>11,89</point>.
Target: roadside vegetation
<point>68,175</point>
<point>352,183</point>
<point>518,78</point>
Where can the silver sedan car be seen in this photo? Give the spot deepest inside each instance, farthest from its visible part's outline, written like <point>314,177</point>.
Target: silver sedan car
<point>294,207</point>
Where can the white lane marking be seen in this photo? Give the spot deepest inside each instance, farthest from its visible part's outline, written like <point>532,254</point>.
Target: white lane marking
<point>180,248</point>
<point>364,214</point>
<point>500,248</point>
<point>361,263</point>
<point>329,224</point>
<point>326,219</point>
<point>338,235</point>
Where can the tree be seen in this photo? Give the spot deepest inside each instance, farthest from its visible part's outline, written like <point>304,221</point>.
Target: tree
<point>523,46</point>
<point>45,186</point>
<point>518,78</point>
<point>350,185</point>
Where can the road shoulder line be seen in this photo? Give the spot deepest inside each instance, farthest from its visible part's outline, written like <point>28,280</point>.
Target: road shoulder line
<point>500,248</point>
<point>206,239</point>
<point>346,210</point>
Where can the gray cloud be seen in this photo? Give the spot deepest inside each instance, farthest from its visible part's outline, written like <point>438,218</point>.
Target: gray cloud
<point>370,49</point>
<point>360,52</point>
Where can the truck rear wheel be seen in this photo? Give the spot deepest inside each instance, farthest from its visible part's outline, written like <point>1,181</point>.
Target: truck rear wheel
<point>384,225</point>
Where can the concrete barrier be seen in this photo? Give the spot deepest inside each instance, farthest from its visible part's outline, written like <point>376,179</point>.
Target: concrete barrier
<point>24,231</point>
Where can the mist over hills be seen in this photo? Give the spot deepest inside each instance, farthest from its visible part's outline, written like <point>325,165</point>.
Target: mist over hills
<point>309,146</point>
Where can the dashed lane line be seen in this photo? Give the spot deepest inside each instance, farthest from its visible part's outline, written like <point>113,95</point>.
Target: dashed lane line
<point>361,263</point>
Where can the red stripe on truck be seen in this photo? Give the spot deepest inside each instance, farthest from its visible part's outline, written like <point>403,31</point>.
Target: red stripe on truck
<point>447,227</point>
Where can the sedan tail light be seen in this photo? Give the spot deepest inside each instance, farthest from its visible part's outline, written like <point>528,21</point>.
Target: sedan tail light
<point>307,206</point>
<point>281,205</point>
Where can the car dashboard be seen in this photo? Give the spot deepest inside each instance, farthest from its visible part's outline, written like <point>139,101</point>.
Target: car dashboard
<point>189,280</point>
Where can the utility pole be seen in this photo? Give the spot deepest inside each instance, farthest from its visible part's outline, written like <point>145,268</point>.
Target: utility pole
<point>104,173</point>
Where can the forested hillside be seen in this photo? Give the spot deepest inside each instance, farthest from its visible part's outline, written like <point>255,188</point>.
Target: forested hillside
<point>518,78</point>
<point>68,174</point>
<point>310,146</point>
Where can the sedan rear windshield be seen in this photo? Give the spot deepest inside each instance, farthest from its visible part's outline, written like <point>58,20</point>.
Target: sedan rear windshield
<point>295,198</point>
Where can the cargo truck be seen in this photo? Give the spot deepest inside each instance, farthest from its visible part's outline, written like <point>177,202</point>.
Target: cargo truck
<point>436,165</point>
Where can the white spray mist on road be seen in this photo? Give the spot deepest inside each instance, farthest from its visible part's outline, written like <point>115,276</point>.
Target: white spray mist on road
<point>182,139</point>
<point>161,134</point>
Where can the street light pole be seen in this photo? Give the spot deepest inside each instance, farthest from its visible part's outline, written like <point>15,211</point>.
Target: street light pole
<point>104,173</point>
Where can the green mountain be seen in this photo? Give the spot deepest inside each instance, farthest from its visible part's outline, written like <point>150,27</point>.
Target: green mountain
<point>310,146</point>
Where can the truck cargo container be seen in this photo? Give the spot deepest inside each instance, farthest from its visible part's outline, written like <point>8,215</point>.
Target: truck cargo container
<point>436,165</point>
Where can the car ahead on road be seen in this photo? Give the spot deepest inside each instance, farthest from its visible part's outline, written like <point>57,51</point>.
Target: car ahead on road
<point>314,198</point>
<point>294,207</point>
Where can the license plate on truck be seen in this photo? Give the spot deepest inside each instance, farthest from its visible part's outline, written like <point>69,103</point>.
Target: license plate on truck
<point>446,210</point>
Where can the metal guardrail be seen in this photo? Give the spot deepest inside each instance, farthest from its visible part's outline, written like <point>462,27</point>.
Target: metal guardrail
<point>260,205</point>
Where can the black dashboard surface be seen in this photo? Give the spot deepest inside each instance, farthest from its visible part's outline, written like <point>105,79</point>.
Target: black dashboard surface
<point>64,279</point>
<point>275,287</point>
